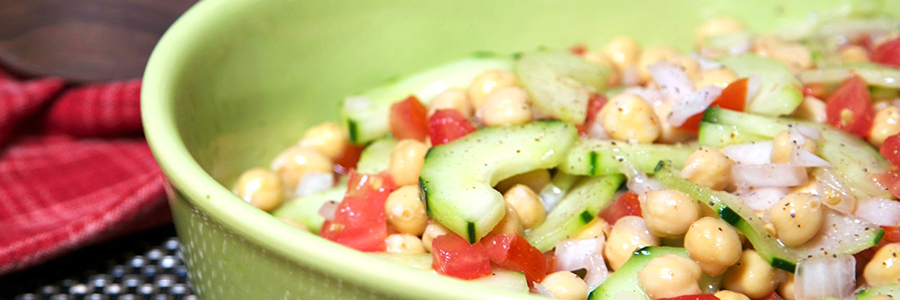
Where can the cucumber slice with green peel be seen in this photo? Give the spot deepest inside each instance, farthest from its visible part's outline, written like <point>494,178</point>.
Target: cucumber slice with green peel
<point>887,290</point>
<point>873,74</point>
<point>623,284</point>
<point>305,209</point>
<point>594,157</point>
<point>366,116</point>
<point>499,278</point>
<point>376,157</point>
<point>457,178</point>
<point>840,234</point>
<point>578,208</point>
<point>779,93</point>
<point>853,158</point>
<point>558,187</point>
<point>718,135</point>
<point>560,83</point>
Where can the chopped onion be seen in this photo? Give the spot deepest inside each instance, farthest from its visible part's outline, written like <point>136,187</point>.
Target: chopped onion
<point>672,80</point>
<point>597,131</point>
<point>754,85</point>
<point>828,276</point>
<point>881,212</point>
<point>652,96</point>
<point>706,64</point>
<point>314,182</point>
<point>328,209</point>
<point>769,175</point>
<point>833,192</point>
<point>802,158</point>
<point>807,131</point>
<point>753,153</point>
<point>585,254</point>
<point>761,199</point>
<point>638,182</point>
<point>543,291</point>
<point>694,103</point>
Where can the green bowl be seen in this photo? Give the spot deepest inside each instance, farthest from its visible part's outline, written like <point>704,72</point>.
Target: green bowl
<point>233,82</point>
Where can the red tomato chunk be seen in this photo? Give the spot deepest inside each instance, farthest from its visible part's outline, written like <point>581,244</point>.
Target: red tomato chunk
<point>409,119</point>
<point>733,97</point>
<point>626,205</point>
<point>454,256</point>
<point>594,106</point>
<point>888,53</point>
<point>447,125</point>
<point>359,221</point>
<point>772,296</point>
<point>850,107</point>
<point>513,252</point>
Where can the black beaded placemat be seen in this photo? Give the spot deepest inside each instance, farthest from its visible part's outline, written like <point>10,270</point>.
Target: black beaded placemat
<point>147,266</point>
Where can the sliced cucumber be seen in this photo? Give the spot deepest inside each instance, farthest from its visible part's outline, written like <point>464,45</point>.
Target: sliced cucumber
<point>560,83</point>
<point>892,291</point>
<point>840,234</point>
<point>457,178</point>
<point>376,157</point>
<point>594,157</point>
<point>500,278</point>
<point>366,115</point>
<point>578,208</point>
<point>718,135</point>
<point>873,74</point>
<point>558,187</point>
<point>852,157</point>
<point>779,93</point>
<point>305,209</point>
<point>623,284</point>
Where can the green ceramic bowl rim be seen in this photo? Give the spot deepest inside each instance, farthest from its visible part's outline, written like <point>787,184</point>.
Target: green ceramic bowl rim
<point>253,225</point>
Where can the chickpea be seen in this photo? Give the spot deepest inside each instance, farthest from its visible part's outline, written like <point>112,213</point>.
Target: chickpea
<point>535,180</point>
<point>752,276</point>
<point>729,295</point>
<point>327,138</point>
<point>295,162</point>
<point>615,74</point>
<point>510,224</point>
<point>488,82</point>
<point>629,117</point>
<point>669,276</point>
<point>795,56</point>
<point>783,146</point>
<point>668,213</point>
<point>713,244</point>
<point>451,99</point>
<point>854,54</point>
<point>628,234</point>
<point>406,161</point>
<point>596,228</point>
<point>717,77</point>
<point>786,289</point>
<point>623,51</point>
<point>294,224</point>
<point>403,243</point>
<point>566,285</point>
<point>527,205</point>
<point>708,167</point>
<point>669,134</point>
<point>797,218</point>
<point>261,188</point>
<point>405,212</point>
<point>506,106</point>
<point>886,124</point>
<point>811,109</point>
<point>716,26</point>
<point>690,66</point>
<point>433,230</point>
<point>884,268</point>
<point>650,57</point>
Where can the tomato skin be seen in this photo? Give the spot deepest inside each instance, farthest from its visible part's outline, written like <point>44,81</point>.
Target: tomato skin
<point>595,104</point>
<point>454,256</point>
<point>889,180</point>
<point>852,98</point>
<point>733,97</point>
<point>772,296</point>
<point>693,297</point>
<point>409,119</point>
<point>626,205</point>
<point>888,53</point>
<point>447,125</point>
<point>891,234</point>
<point>891,149</point>
<point>579,49</point>
<point>359,221</point>
<point>513,252</point>
<point>347,159</point>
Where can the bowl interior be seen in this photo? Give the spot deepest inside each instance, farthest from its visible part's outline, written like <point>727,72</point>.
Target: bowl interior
<point>235,82</point>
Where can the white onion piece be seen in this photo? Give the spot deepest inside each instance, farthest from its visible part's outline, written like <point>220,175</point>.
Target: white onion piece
<point>706,64</point>
<point>694,103</point>
<point>543,291</point>
<point>638,226</point>
<point>807,131</point>
<point>631,76</point>
<point>753,87</point>
<point>328,209</point>
<point>828,276</point>
<point>769,175</point>
<point>881,212</point>
<point>638,182</point>
<point>585,254</point>
<point>831,189</point>
<point>672,80</point>
<point>802,158</point>
<point>761,199</point>
<point>652,96</point>
<point>753,153</point>
<point>314,182</point>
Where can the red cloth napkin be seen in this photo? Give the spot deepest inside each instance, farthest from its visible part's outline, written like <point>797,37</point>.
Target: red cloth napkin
<point>74,168</point>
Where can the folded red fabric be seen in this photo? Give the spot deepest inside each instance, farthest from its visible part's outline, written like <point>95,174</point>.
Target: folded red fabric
<point>74,168</point>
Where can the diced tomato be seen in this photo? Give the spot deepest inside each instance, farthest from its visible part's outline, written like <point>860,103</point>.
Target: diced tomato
<point>454,256</point>
<point>891,234</point>
<point>409,119</point>
<point>513,252</point>
<point>347,159</point>
<point>850,107</point>
<point>594,106</point>
<point>888,53</point>
<point>891,149</point>
<point>772,296</point>
<point>626,205</point>
<point>579,49</point>
<point>447,125</point>
<point>694,297</point>
<point>359,221</point>
<point>889,180</point>
<point>733,97</point>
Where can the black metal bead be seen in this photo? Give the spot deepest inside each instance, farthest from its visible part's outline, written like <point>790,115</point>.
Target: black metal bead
<point>116,272</point>
<point>160,297</point>
<point>67,283</point>
<point>131,282</point>
<point>129,297</point>
<point>80,290</point>
<point>154,255</point>
<point>150,271</point>
<point>96,297</point>
<point>168,262</point>
<point>171,245</point>
<point>190,297</point>
<point>60,297</point>
<point>113,290</point>
<point>48,290</point>
<point>146,289</point>
<point>99,281</point>
<point>27,297</point>
<point>181,273</point>
<point>137,262</point>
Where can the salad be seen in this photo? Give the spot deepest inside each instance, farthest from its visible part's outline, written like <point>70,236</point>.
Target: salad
<point>757,166</point>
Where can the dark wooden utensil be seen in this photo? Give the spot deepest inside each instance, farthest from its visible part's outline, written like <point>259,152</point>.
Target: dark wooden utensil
<point>83,40</point>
